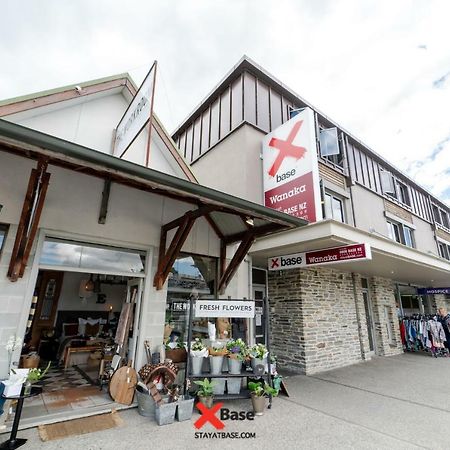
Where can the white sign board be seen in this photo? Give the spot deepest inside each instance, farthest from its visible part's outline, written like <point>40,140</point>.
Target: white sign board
<point>290,168</point>
<point>346,253</point>
<point>137,114</point>
<point>225,308</point>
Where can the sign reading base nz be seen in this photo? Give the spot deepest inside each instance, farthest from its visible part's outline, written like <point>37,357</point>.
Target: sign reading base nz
<point>333,255</point>
<point>290,168</point>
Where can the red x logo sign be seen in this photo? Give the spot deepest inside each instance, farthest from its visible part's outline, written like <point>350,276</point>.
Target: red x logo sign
<point>275,263</point>
<point>208,415</point>
<point>286,148</point>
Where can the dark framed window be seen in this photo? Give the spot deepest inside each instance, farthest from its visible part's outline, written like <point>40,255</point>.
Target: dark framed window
<point>3,233</point>
<point>333,207</point>
<point>444,250</point>
<point>403,194</point>
<point>401,233</point>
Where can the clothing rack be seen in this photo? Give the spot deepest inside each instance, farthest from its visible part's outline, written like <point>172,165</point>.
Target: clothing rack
<point>425,332</point>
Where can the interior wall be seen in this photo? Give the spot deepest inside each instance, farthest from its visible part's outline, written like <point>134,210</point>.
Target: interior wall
<point>69,299</point>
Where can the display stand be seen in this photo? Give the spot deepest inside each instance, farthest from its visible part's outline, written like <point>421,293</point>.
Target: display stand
<point>245,393</point>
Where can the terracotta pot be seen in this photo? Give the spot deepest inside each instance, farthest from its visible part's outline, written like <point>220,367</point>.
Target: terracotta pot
<point>259,404</point>
<point>207,401</point>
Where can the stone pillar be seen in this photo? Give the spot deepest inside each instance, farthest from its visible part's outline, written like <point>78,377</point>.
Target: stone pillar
<point>387,329</point>
<point>314,324</point>
<point>440,301</point>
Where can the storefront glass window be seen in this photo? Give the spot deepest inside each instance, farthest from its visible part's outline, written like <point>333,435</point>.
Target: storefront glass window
<point>91,257</point>
<point>3,230</point>
<point>191,276</point>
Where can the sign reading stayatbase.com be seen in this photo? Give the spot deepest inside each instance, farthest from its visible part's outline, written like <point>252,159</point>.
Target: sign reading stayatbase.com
<point>291,173</point>
<point>224,308</point>
<point>333,255</point>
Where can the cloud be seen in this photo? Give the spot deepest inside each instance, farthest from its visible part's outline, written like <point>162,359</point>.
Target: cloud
<point>376,67</point>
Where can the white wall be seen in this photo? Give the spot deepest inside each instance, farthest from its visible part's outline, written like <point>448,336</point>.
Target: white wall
<point>69,299</point>
<point>90,121</point>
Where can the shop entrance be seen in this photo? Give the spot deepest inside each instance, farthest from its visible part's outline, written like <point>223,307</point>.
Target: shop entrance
<point>75,325</point>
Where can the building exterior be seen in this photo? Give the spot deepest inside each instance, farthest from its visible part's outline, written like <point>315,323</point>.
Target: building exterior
<point>68,206</point>
<point>327,316</point>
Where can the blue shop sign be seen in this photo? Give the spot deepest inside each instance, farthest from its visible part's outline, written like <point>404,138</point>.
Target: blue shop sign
<point>440,290</point>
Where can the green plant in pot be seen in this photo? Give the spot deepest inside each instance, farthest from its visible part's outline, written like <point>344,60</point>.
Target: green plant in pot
<point>205,393</point>
<point>34,375</point>
<point>259,393</point>
<point>237,352</point>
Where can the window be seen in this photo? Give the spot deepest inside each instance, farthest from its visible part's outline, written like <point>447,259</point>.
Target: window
<point>191,275</point>
<point>401,233</point>
<point>403,194</point>
<point>91,257</point>
<point>3,231</point>
<point>444,250</point>
<point>330,146</point>
<point>441,216</point>
<point>395,188</point>
<point>333,207</point>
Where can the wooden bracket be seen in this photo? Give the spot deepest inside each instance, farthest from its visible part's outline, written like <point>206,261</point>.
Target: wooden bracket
<point>238,257</point>
<point>167,258</point>
<point>105,202</point>
<point>29,220</point>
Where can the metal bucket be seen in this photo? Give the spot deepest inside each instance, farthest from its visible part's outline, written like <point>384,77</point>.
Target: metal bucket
<point>219,386</point>
<point>146,404</point>
<point>234,385</point>
<point>165,413</point>
<point>185,408</point>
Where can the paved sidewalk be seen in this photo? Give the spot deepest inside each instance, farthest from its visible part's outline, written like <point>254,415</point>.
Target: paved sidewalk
<point>400,402</point>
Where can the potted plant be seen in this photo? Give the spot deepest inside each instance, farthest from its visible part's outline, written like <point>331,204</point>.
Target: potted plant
<point>176,351</point>
<point>34,375</point>
<point>258,354</point>
<point>205,393</point>
<point>237,352</point>
<point>259,393</point>
<point>216,354</point>
<point>198,352</point>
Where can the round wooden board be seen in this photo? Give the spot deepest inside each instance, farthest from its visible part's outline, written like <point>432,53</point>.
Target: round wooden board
<point>122,385</point>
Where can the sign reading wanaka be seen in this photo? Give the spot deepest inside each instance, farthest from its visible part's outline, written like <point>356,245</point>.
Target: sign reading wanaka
<point>319,257</point>
<point>291,174</point>
<point>224,308</point>
<point>137,115</point>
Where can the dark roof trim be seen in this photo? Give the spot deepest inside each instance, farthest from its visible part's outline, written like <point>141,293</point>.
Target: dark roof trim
<point>134,172</point>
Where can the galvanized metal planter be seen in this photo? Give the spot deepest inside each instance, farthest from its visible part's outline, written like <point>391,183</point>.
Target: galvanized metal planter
<point>185,407</point>
<point>219,386</point>
<point>234,385</point>
<point>165,413</point>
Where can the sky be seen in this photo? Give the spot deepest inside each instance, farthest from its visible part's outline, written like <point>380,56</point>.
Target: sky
<point>380,69</point>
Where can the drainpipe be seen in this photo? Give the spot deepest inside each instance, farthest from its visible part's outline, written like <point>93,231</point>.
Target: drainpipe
<point>358,319</point>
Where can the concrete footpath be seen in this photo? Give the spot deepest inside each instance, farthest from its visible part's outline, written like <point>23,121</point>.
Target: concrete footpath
<point>401,402</point>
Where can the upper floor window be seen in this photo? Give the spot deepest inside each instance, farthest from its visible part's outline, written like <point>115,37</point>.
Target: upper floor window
<point>333,207</point>
<point>441,216</point>
<point>3,231</point>
<point>330,146</point>
<point>401,233</point>
<point>394,188</point>
<point>444,250</point>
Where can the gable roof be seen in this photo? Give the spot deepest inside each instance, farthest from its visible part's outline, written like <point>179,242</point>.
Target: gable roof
<point>64,93</point>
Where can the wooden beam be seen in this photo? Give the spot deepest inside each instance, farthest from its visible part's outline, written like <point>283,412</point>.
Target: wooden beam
<point>222,258</point>
<point>201,211</point>
<point>29,220</point>
<point>168,258</point>
<point>105,202</point>
<point>238,257</point>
